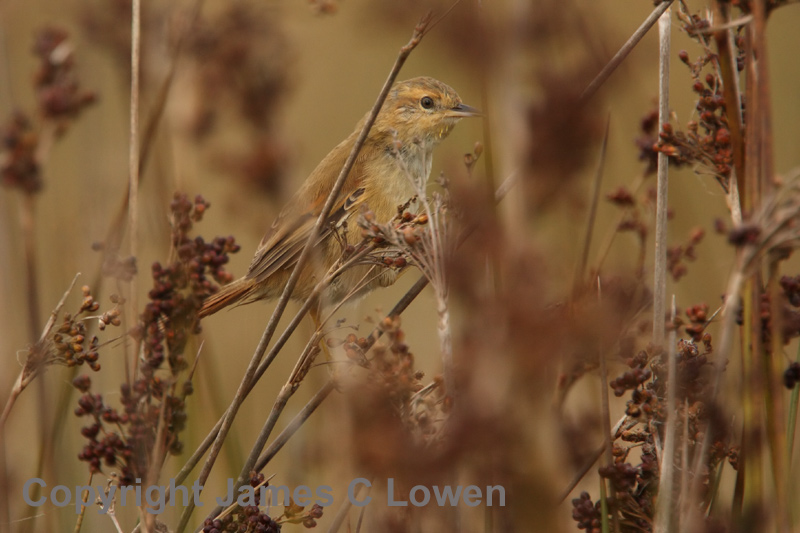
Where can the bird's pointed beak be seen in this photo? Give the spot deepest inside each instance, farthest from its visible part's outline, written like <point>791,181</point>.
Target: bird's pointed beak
<point>463,110</point>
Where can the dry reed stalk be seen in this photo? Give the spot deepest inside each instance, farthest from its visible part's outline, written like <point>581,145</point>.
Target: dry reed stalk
<point>580,271</point>
<point>660,258</point>
<point>626,48</point>
<point>133,157</point>
<point>666,516</point>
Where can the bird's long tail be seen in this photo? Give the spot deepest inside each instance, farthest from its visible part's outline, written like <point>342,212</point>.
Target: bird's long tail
<point>227,295</point>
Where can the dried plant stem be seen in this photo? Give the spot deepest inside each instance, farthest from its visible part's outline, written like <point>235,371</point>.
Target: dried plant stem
<point>771,384</point>
<point>112,514</point>
<point>133,154</point>
<point>685,486</point>
<point>24,378</point>
<point>28,229</point>
<point>660,259</point>
<point>26,375</point>
<point>283,301</point>
<point>690,512</point>
<point>344,509</point>
<point>117,224</point>
<point>429,254</point>
<point>758,378</point>
<point>299,371</point>
<point>258,464</point>
<point>608,437</point>
<point>114,234</point>
<point>666,517</point>
<point>792,419</point>
<point>5,503</point>
<point>773,374</point>
<point>308,304</point>
<point>446,346</point>
<point>432,262</point>
<point>605,248</point>
<point>753,397</point>
<point>749,477</point>
<point>488,152</point>
<point>762,89</point>
<point>623,52</point>
<point>723,36</point>
<point>9,100</point>
<point>156,460</point>
<point>580,272</point>
<point>295,424</point>
<point>264,365</point>
<point>82,514</point>
<point>286,392</point>
<point>592,460</point>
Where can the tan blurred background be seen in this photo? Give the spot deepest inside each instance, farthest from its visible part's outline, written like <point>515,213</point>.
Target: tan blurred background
<point>332,67</point>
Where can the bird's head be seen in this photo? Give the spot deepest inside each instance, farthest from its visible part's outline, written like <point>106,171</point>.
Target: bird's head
<point>421,111</point>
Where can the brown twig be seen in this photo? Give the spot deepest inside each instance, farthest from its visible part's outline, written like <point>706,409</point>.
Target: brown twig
<point>723,36</point>
<point>626,48</point>
<point>608,436</point>
<point>117,225</point>
<point>666,517</point>
<point>306,307</point>
<point>133,153</point>
<point>300,370</point>
<point>22,379</point>
<point>580,272</point>
<point>295,424</point>
<point>344,509</point>
<point>27,226</point>
<point>590,462</point>
<point>660,261</point>
<point>286,392</point>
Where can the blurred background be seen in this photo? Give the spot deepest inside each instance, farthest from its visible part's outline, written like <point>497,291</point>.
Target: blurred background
<point>261,92</point>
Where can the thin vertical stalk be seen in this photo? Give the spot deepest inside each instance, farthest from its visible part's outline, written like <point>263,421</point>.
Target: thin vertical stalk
<point>771,384</point>
<point>772,364</point>
<point>792,420</point>
<point>685,486</point>
<point>28,228</point>
<point>623,52</point>
<point>666,518</point>
<point>133,153</point>
<point>608,438</point>
<point>660,275</point>
<point>752,438</point>
<point>27,225</point>
<point>730,89</point>
<point>580,272</point>
<point>748,476</point>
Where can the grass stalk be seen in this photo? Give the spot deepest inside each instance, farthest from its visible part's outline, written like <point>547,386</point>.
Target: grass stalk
<point>133,155</point>
<point>666,517</point>
<point>580,271</point>
<point>606,485</point>
<point>660,259</point>
<point>626,48</point>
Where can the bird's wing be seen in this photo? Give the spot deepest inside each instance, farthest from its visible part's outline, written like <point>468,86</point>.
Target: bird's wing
<point>281,246</point>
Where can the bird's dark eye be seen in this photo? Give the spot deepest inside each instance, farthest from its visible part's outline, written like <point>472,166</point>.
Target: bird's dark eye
<point>426,102</point>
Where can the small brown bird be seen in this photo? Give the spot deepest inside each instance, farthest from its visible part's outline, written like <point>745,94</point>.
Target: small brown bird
<point>416,116</point>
